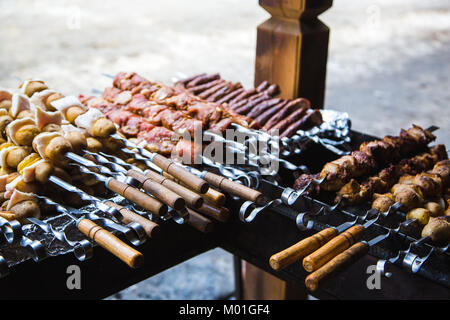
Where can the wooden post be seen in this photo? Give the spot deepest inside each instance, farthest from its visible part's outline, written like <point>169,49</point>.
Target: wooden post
<point>291,51</point>
<point>292,48</point>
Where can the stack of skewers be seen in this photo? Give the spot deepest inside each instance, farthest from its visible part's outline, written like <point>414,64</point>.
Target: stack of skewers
<point>161,115</point>
<point>397,175</point>
<point>260,104</point>
<point>49,140</point>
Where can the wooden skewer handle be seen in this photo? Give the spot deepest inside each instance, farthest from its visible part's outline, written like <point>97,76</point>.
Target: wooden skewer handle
<point>335,265</point>
<point>301,249</point>
<point>138,197</point>
<point>193,199</point>
<point>158,190</point>
<point>200,222</point>
<point>233,188</point>
<point>192,181</point>
<point>214,197</point>
<point>151,229</point>
<point>110,242</point>
<point>332,248</point>
<point>221,214</point>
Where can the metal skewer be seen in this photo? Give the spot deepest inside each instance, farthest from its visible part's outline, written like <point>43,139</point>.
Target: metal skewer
<point>157,175</point>
<point>191,180</point>
<point>84,196</point>
<point>104,238</point>
<point>4,269</point>
<point>81,249</point>
<point>11,230</point>
<point>132,231</point>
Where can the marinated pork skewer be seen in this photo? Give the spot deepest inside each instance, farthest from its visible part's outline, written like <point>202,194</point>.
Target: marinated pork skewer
<point>260,104</point>
<point>370,156</point>
<point>354,193</point>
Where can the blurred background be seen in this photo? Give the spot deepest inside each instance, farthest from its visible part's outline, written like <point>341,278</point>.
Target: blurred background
<point>388,67</point>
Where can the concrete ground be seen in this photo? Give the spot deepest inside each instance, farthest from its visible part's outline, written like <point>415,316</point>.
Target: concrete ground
<point>388,67</point>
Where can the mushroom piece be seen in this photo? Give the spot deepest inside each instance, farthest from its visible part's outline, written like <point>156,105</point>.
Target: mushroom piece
<point>50,99</point>
<point>4,121</point>
<point>6,104</point>
<point>73,112</point>
<point>103,128</point>
<point>420,214</point>
<point>112,144</point>
<point>435,209</point>
<point>442,168</point>
<point>438,229</point>
<point>93,145</point>
<point>56,150</point>
<point>43,171</point>
<point>29,87</point>
<point>410,196</point>
<point>26,209</point>
<point>77,139</point>
<point>382,202</point>
<point>15,156</point>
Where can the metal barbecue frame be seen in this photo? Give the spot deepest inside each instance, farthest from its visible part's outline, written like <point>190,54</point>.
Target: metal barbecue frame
<point>255,242</point>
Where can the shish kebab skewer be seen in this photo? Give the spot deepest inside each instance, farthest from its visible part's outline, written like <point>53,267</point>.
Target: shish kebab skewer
<point>370,156</point>
<point>341,261</point>
<point>220,214</point>
<point>110,110</point>
<point>215,180</point>
<point>114,102</point>
<point>77,158</point>
<point>439,230</point>
<point>163,163</point>
<point>107,240</point>
<point>354,193</point>
<point>211,178</point>
<point>83,249</point>
<point>176,170</point>
<point>359,163</point>
<point>441,225</point>
<point>290,255</point>
<point>193,200</point>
